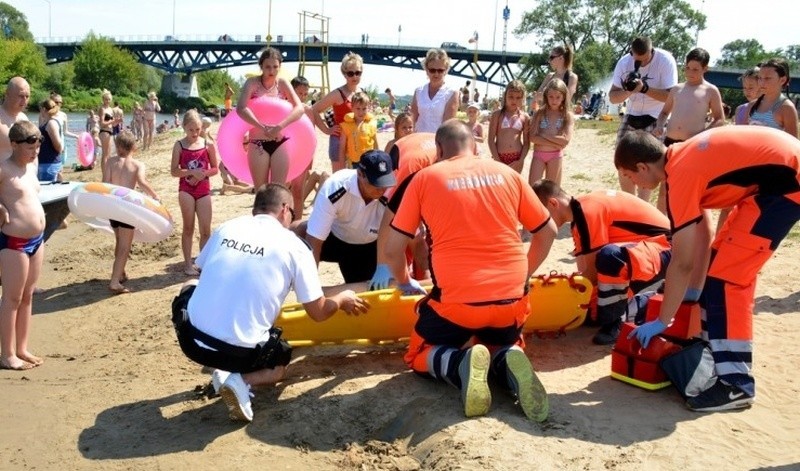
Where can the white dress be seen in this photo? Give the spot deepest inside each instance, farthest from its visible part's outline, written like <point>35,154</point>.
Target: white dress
<point>431,110</point>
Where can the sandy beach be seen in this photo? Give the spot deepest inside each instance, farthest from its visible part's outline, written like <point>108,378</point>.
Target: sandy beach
<point>116,392</point>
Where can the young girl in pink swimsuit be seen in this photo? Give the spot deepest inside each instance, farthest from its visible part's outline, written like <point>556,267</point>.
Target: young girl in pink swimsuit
<point>551,131</point>
<point>509,135</point>
<point>194,160</point>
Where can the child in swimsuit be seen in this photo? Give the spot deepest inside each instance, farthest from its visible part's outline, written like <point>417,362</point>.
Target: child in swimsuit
<point>750,89</point>
<point>21,237</point>
<point>403,126</point>
<point>267,158</point>
<point>773,109</point>
<point>194,160</point>
<point>473,112</point>
<point>123,170</point>
<point>551,131</point>
<point>509,136</point>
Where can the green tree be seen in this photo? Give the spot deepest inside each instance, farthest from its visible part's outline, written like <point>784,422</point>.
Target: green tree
<point>99,63</point>
<point>60,78</point>
<point>609,26</point>
<point>152,78</point>
<point>13,23</point>
<point>211,85</point>
<point>741,54</point>
<point>22,58</point>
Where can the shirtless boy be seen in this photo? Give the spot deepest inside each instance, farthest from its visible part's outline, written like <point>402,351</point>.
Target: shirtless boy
<point>123,170</point>
<point>687,107</point>
<point>21,239</point>
<point>690,102</point>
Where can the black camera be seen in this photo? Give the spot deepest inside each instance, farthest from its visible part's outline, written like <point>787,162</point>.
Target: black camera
<point>629,84</point>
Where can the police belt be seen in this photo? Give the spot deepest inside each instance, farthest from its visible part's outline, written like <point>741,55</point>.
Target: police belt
<point>217,344</point>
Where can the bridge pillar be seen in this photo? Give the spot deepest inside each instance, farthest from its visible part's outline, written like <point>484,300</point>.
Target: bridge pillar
<point>183,86</point>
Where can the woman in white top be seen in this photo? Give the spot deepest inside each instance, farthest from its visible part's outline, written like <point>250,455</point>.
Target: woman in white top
<point>434,102</point>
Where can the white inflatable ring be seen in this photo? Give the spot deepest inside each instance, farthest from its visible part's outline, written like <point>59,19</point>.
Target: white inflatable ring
<point>96,203</point>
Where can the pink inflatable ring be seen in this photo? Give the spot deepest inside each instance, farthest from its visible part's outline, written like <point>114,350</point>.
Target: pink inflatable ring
<point>85,149</point>
<point>300,146</point>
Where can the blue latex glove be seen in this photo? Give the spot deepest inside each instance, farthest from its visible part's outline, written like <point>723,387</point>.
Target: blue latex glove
<point>411,288</point>
<point>380,280</point>
<point>692,295</point>
<point>647,331</point>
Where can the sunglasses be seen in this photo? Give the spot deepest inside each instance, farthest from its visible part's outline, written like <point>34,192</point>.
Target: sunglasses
<point>553,57</point>
<point>353,73</point>
<point>437,71</point>
<point>59,103</point>
<point>31,140</point>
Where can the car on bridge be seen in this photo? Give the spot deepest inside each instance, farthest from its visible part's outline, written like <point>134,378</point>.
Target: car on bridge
<point>452,45</point>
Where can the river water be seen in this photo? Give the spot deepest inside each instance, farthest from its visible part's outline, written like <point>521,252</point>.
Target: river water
<point>76,123</point>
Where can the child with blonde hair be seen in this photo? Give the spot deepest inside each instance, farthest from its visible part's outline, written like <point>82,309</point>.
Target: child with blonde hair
<point>551,131</point>
<point>194,160</point>
<point>473,113</point>
<point>359,131</point>
<point>509,128</point>
<point>403,126</point>
<point>123,170</point>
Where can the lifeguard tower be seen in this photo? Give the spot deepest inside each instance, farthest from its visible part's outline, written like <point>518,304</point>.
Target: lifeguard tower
<point>314,34</point>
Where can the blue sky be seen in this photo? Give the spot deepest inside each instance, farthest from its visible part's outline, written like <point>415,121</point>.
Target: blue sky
<point>423,23</point>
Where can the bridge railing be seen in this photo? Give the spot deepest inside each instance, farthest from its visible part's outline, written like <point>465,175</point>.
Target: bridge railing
<point>277,39</point>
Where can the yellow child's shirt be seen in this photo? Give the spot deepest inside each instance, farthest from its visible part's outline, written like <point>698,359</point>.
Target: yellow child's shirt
<point>360,137</point>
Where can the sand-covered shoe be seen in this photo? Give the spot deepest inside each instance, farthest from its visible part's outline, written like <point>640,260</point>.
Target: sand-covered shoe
<point>473,371</point>
<point>526,385</point>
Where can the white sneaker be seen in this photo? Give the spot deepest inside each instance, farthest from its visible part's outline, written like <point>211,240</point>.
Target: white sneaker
<point>236,395</point>
<point>217,378</point>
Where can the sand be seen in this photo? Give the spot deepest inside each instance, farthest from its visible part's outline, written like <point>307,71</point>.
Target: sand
<point>116,392</point>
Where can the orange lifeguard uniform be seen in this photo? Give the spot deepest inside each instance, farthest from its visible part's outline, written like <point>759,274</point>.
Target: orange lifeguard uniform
<point>412,153</point>
<point>479,266</point>
<point>629,239</point>
<point>754,170</point>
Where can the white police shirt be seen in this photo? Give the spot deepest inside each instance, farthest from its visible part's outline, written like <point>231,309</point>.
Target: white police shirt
<point>248,265</point>
<point>339,208</point>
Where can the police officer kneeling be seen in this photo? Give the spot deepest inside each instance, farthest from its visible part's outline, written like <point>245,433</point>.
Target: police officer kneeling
<point>225,319</point>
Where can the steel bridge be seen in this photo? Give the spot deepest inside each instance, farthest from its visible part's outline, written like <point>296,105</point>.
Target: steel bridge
<point>187,57</point>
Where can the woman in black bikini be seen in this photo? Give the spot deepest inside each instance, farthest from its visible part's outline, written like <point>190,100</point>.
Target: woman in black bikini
<point>266,157</point>
<point>106,119</point>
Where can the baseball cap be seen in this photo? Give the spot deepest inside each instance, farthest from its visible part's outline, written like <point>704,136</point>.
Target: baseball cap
<point>474,105</point>
<point>377,167</point>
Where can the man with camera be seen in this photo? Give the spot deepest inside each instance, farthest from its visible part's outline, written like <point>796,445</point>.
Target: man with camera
<point>643,78</point>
